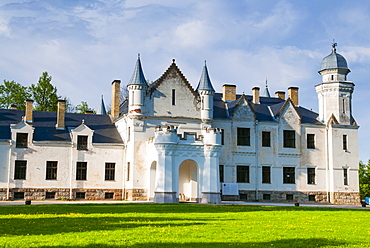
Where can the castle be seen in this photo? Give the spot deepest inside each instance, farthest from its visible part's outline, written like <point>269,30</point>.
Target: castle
<point>168,142</point>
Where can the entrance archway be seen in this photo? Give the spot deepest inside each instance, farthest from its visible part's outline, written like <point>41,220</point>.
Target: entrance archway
<point>188,181</point>
<point>153,180</point>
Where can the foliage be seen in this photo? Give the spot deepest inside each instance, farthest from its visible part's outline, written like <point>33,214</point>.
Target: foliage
<point>45,94</point>
<point>13,93</point>
<point>364,179</point>
<point>83,107</point>
<point>181,225</point>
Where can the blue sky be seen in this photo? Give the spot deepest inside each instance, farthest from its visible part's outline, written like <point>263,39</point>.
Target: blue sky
<point>86,44</point>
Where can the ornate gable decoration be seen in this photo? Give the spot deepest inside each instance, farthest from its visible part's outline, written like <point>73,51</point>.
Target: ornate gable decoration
<point>332,120</point>
<point>288,112</point>
<point>172,72</point>
<point>243,110</point>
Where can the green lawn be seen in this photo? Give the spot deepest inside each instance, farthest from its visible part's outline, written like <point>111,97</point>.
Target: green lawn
<point>181,225</point>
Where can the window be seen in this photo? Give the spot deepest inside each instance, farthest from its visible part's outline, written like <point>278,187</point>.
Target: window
<point>18,195</point>
<point>128,171</point>
<point>81,170</point>
<point>243,174</point>
<point>266,139</point>
<point>289,197</point>
<point>311,175</point>
<point>21,140</point>
<point>50,195</point>
<point>310,141</point>
<point>345,176</point>
<point>222,136</point>
<point>109,171</point>
<point>109,195</point>
<point>243,136</point>
<point>243,197</point>
<point>80,195</point>
<point>221,168</point>
<point>20,169</point>
<point>345,142</point>
<point>266,174</point>
<point>266,197</point>
<point>289,175</point>
<point>51,170</point>
<point>81,142</point>
<point>173,97</point>
<point>312,198</point>
<point>289,139</point>
<point>128,133</point>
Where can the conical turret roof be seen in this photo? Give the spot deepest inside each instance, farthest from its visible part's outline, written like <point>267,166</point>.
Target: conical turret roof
<point>205,81</point>
<point>138,76</point>
<point>101,109</point>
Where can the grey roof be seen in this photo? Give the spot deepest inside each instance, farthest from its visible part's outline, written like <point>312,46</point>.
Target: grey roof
<point>44,124</point>
<point>138,76</point>
<point>334,61</point>
<point>101,109</point>
<point>205,81</point>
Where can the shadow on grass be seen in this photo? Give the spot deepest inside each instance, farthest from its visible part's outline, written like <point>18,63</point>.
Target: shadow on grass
<point>149,208</point>
<point>50,226</point>
<point>321,242</point>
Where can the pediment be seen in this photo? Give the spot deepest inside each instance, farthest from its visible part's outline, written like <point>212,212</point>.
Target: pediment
<point>289,113</point>
<point>243,110</point>
<point>22,125</point>
<point>83,129</point>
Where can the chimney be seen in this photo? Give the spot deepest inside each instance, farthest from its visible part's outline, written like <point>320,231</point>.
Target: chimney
<point>280,94</point>
<point>116,96</point>
<point>61,115</point>
<point>293,94</point>
<point>29,107</point>
<point>256,95</point>
<point>13,106</point>
<point>229,92</point>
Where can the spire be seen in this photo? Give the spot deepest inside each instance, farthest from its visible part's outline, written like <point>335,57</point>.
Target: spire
<point>138,76</point>
<point>205,81</point>
<point>101,109</point>
<point>267,92</point>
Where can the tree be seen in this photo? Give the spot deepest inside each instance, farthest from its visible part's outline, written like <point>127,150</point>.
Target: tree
<point>45,94</point>
<point>13,93</point>
<point>364,179</point>
<point>83,107</point>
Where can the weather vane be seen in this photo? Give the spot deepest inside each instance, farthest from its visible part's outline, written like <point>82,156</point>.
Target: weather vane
<point>334,45</point>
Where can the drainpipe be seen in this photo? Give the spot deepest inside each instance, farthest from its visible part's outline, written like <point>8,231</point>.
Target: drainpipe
<point>71,173</point>
<point>257,155</point>
<point>327,162</point>
<point>9,164</point>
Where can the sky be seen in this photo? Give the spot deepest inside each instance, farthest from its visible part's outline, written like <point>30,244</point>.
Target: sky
<point>86,44</point>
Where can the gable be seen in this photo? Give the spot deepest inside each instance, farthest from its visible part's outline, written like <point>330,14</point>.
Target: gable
<point>172,95</point>
<point>288,113</point>
<point>243,111</point>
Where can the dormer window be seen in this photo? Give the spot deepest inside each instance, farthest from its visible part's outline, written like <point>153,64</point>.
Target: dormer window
<point>22,140</point>
<point>81,142</point>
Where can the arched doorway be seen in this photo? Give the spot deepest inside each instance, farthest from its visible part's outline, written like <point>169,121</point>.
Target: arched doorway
<point>188,181</point>
<point>153,180</point>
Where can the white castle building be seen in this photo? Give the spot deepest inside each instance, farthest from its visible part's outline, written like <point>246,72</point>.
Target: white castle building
<point>169,142</point>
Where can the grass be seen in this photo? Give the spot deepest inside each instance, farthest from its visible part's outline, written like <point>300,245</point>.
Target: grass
<point>181,225</point>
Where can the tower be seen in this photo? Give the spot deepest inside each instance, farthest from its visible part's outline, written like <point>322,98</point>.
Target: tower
<point>335,92</point>
<point>137,90</point>
<point>206,92</point>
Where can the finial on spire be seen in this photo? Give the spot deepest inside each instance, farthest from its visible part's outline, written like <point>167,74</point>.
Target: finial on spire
<point>138,55</point>
<point>205,62</point>
<point>334,45</point>
<point>266,84</point>
<point>173,60</point>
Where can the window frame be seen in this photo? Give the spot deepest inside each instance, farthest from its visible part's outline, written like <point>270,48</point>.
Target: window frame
<point>81,171</point>
<point>82,142</point>
<point>311,176</point>
<point>289,139</point>
<point>266,174</point>
<point>266,141</point>
<point>243,137</point>
<point>288,175</point>
<point>242,174</point>
<point>345,142</point>
<point>345,177</point>
<point>21,140</point>
<point>20,169</point>
<point>110,171</point>
<point>51,170</point>
<point>310,141</point>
